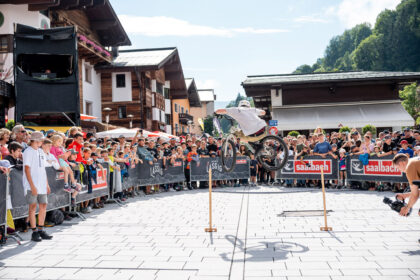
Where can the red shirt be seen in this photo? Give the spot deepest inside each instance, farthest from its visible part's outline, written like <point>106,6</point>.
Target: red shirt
<point>78,148</point>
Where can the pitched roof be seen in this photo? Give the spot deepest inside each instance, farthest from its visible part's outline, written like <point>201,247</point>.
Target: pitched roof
<point>326,77</point>
<point>193,97</point>
<point>143,57</point>
<point>188,82</point>
<point>206,95</point>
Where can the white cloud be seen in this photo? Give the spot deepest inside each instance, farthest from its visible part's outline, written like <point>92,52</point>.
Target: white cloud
<point>207,84</point>
<point>353,12</point>
<point>310,19</point>
<point>168,26</point>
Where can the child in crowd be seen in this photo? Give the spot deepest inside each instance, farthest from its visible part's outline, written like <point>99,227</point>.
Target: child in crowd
<point>15,155</point>
<point>254,169</point>
<point>342,167</point>
<point>62,157</point>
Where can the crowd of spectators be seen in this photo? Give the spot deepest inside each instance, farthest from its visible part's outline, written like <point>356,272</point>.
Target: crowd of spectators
<point>340,145</point>
<point>79,156</point>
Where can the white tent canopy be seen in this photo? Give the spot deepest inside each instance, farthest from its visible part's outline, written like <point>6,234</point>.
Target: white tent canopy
<point>330,117</point>
<point>128,133</point>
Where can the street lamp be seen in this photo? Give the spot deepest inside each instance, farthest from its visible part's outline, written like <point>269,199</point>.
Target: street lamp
<point>107,110</point>
<point>131,120</point>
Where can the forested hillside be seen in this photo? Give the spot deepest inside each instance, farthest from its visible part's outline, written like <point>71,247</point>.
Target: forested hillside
<point>393,44</point>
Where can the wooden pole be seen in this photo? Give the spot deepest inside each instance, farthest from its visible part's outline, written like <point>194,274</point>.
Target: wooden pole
<point>210,228</point>
<point>326,228</point>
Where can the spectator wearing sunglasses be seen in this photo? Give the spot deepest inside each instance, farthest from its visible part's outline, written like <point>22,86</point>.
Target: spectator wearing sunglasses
<point>20,135</point>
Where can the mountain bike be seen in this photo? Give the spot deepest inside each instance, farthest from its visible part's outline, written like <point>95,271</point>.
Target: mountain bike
<point>269,150</point>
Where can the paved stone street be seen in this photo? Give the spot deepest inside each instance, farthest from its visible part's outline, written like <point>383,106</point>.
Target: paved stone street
<point>162,237</point>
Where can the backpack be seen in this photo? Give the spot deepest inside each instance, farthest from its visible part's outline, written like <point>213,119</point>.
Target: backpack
<point>55,216</point>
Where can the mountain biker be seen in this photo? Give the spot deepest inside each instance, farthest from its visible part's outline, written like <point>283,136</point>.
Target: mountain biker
<point>247,117</point>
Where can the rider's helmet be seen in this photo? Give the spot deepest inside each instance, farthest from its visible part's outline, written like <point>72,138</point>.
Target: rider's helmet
<point>244,103</point>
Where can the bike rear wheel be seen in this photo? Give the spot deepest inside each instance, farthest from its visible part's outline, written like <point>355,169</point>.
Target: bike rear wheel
<point>228,155</point>
<point>273,153</point>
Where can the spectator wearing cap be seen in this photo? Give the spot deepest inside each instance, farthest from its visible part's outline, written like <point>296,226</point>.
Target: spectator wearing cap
<point>172,144</point>
<point>405,149</point>
<point>49,133</point>
<point>388,146</point>
<point>143,153</point>
<point>152,149</point>
<point>322,148</point>
<point>36,185</point>
<point>411,141</point>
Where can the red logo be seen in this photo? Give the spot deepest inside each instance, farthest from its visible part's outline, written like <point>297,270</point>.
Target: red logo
<point>241,161</point>
<point>100,180</point>
<point>177,163</point>
<point>59,176</point>
<point>313,166</point>
<point>381,167</point>
<point>273,130</point>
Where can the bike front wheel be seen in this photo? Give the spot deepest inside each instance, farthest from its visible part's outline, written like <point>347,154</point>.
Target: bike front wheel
<point>228,155</point>
<point>272,153</point>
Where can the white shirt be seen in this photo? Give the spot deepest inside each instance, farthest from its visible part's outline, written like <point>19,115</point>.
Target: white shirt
<point>50,160</point>
<point>247,118</point>
<point>35,159</point>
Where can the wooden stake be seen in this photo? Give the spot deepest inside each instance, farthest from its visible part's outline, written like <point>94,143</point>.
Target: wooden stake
<point>326,228</point>
<point>210,228</point>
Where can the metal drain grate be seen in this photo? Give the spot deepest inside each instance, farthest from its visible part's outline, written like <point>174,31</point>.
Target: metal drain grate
<point>303,213</point>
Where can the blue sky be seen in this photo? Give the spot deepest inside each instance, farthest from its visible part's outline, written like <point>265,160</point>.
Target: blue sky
<point>221,42</point>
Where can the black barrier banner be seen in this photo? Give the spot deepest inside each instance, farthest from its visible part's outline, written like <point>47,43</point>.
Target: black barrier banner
<point>58,198</point>
<point>3,197</point>
<point>309,168</point>
<point>200,169</point>
<point>378,169</point>
<point>99,187</point>
<point>145,174</point>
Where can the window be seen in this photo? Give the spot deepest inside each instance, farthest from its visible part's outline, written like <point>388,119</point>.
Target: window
<point>153,99</point>
<point>122,112</point>
<point>176,108</point>
<point>182,129</point>
<point>88,73</point>
<point>148,113</point>
<point>168,119</point>
<point>159,88</point>
<point>186,111</point>
<point>166,93</point>
<point>182,110</point>
<point>120,80</point>
<point>5,44</point>
<point>88,108</point>
<point>147,83</point>
<point>176,127</point>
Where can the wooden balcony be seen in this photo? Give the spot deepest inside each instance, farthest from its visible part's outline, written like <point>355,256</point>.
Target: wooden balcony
<point>185,118</point>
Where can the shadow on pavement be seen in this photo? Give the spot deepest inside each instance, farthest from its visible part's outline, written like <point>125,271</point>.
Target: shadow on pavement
<point>279,250</point>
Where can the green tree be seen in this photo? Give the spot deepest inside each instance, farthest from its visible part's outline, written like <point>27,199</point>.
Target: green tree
<point>392,45</point>
<point>303,69</point>
<point>411,101</point>
<point>294,133</point>
<point>370,128</point>
<point>208,125</point>
<point>344,129</point>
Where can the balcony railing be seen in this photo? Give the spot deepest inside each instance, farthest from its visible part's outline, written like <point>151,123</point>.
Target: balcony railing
<point>184,118</point>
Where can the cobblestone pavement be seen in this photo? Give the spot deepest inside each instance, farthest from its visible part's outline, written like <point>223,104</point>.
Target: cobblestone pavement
<point>162,237</point>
